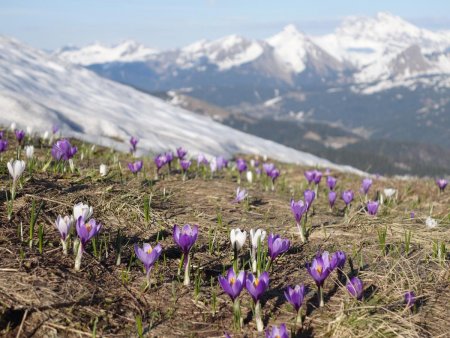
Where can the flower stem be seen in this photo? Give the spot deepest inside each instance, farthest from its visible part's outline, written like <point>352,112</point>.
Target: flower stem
<point>320,291</point>
<point>187,280</point>
<point>259,322</point>
<point>64,245</point>
<point>301,230</point>
<point>237,314</point>
<point>78,257</point>
<point>299,319</point>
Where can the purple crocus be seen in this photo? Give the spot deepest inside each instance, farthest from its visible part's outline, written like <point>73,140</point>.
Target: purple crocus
<point>441,183</point>
<point>347,196</point>
<point>201,159</point>
<point>355,287</point>
<point>298,210</point>
<point>1,134</point>
<point>185,238</point>
<point>133,141</point>
<point>181,153</point>
<point>317,176</point>
<point>338,260</point>
<point>240,195</point>
<point>256,286</point>
<point>148,256</point>
<point>309,196</point>
<point>320,269</point>
<point>185,164</point>
<point>136,166</point>
<point>372,207</point>
<point>3,145</point>
<point>221,162</point>
<point>85,232</point>
<point>241,165</point>
<point>63,150</point>
<point>277,245</point>
<point>169,158</point>
<point>296,296</point>
<point>410,299</point>
<point>309,175</point>
<point>160,161</point>
<point>233,283</point>
<point>332,195</point>
<point>55,129</point>
<point>20,134</point>
<point>331,182</point>
<point>277,332</point>
<point>365,185</point>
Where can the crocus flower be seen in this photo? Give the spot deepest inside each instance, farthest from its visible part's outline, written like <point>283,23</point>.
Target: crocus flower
<point>221,162</point>
<point>347,196</point>
<point>233,283</point>
<point>317,176</point>
<point>136,166</point>
<point>331,182</point>
<point>256,286</point>
<point>412,214</point>
<point>237,238</point>
<point>29,130</point>
<point>169,158</point>
<point>332,198</point>
<point>277,245</point>
<point>240,195</point>
<point>13,126</point>
<point>309,198</point>
<point>365,185</point>
<point>372,207</point>
<point>274,174</point>
<point>3,145</point>
<point>1,134</point>
<point>148,256</point>
<point>16,169</point>
<point>355,287</point>
<point>441,183</point>
<point>29,152</point>
<point>277,332</point>
<point>338,260</point>
<point>85,232</point>
<point>185,164</point>
<point>320,269</point>
<point>256,237</point>
<point>213,166</point>
<point>241,165</point>
<point>133,141</point>
<point>63,150</point>
<point>268,168</point>
<point>295,296</point>
<point>20,134</point>
<point>309,175</point>
<point>84,210</point>
<point>389,192</point>
<point>63,224</point>
<point>298,210</point>
<point>185,238</point>
<point>249,177</point>
<point>181,153</point>
<point>160,161</point>
<point>201,159</point>
<point>103,169</point>
<point>431,222</point>
<point>55,128</point>
<point>410,299</point>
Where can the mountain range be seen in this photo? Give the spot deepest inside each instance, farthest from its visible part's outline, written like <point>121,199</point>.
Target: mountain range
<point>380,78</point>
<point>38,90</point>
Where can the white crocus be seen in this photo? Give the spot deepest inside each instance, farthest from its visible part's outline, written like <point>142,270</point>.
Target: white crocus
<point>13,126</point>
<point>29,152</point>
<point>29,130</point>
<point>84,210</point>
<point>256,237</point>
<point>431,222</point>
<point>103,169</point>
<point>249,176</point>
<point>63,224</point>
<point>16,168</point>
<point>389,193</point>
<point>237,238</point>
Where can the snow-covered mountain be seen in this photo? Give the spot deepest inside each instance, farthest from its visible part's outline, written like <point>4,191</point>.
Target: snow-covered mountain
<point>126,51</point>
<point>39,90</point>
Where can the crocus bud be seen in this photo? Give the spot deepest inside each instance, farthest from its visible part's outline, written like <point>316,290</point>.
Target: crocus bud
<point>237,238</point>
<point>16,168</point>
<point>29,152</point>
<point>103,169</point>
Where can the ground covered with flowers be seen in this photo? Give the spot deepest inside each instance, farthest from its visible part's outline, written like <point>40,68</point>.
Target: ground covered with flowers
<point>380,262</point>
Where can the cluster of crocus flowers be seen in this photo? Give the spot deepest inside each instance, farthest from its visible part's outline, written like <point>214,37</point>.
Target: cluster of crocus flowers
<point>442,184</point>
<point>62,150</point>
<point>232,285</point>
<point>296,296</point>
<point>148,256</point>
<point>135,167</point>
<point>314,176</point>
<point>298,210</point>
<point>185,238</point>
<point>181,153</point>
<point>256,286</point>
<point>272,172</point>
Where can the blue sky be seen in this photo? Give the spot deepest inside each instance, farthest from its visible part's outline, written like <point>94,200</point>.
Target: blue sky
<point>50,24</point>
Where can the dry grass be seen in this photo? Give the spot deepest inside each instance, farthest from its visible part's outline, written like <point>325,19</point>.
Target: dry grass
<point>41,294</point>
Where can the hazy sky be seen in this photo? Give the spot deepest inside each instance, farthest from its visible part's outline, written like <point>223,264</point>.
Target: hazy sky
<point>171,23</point>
